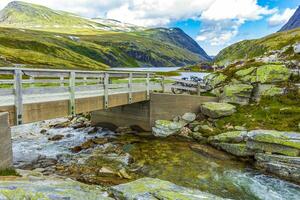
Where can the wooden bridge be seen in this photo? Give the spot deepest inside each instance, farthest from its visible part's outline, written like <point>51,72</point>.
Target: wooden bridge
<point>31,95</point>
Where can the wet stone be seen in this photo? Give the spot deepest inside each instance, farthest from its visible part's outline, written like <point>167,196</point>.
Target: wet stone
<point>56,138</point>
<point>150,188</point>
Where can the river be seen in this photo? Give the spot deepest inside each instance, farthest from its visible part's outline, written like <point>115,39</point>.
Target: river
<point>169,159</point>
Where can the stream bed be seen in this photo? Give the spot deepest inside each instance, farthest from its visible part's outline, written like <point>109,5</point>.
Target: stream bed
<point>121,158</point>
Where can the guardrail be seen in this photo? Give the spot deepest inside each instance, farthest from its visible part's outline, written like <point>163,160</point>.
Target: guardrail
<point>192,86</point>
<point>22,81</point>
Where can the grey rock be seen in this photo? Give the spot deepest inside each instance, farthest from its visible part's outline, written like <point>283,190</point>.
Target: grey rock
<point>285,167</point>
<point>151,188</point>
<point>272,148</point>
<point>240,150</point>
<point>189,117</point>
<point>217,110</point>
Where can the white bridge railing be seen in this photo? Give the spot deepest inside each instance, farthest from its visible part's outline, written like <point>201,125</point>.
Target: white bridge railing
<point>19,86</point>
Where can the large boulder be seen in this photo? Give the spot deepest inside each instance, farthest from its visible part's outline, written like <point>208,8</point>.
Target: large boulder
<point>247,75</point>
<point>283,166</point>
<point>229,137</point>
<point>216,110</point>
<point>151,188</point>
<point>272,73</point>
<point>237,93</point>
<point>165,128</point>
<point>266,90</point>
<point>272,148</point>
<point>240,150</point>
<point>213,80</point>
<point>290,139</point>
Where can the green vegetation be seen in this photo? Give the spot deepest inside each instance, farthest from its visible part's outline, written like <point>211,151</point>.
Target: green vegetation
<point>172,73</point>
<point>9,172</point>
<point>249,49</point>
<point>99,51</point>
<point>37,36</point>
<point>280,113</point>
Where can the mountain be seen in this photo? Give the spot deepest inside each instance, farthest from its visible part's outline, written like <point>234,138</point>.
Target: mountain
<point>278,45</point>
<point>293,23</point>
<point>39,36</point>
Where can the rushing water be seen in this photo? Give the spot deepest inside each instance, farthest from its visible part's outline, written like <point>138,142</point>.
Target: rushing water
<point>168,159</point>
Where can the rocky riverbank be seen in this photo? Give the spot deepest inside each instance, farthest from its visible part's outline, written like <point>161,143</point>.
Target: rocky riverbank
<point>257,118</point>
<point>116,165</point>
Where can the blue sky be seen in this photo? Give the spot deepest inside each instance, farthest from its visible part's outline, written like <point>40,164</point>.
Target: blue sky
<point>214,24</point>
<point>251,29</point>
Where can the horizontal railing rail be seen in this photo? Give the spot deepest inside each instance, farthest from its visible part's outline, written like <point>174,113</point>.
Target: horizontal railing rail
<point>18,83</point>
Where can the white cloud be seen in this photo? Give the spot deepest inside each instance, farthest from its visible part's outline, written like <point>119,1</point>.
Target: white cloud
<point>281,18</point>
<point>235,9</point>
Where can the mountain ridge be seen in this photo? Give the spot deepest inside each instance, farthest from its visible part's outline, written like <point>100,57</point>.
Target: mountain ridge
<point>118,44</point>
<point>294,22</point>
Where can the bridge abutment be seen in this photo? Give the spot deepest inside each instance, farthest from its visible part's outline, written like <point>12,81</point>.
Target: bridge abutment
<point>6,155</point>
<point>144,114</point>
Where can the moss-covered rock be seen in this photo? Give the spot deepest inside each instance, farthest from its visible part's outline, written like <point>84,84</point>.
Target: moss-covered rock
<point>151,188</point>
<point>217,110</point>
<point>272,148</point>
<point>237,93</point>
<point>290,139</point>
<point>214,79</point>
<point>266,90</point>
<point>206,130</point>
<point>247,75</point>
<point>240,150</point>
<point>272,73</point>
<point>245,72</point>
<point>229,137</point>
<point>165,128</point>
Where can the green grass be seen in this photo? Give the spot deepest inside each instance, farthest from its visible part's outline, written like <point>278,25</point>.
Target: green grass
<point>248,49</point>
<point>279,112</point>
<point>94,51</point>
<point>172,73</point>
<point>9,172</point>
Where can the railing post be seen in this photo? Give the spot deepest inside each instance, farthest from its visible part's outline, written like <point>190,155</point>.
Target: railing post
<point>163,84</point>
<point>72,93</point>
<point>148,86</point>
<point>106,84</point>
<point>18,96</point>
<point>31,80</point>
<point>62,79</point>
<point>85,81</point>
<point>199,89</point>
<point>130,88</point>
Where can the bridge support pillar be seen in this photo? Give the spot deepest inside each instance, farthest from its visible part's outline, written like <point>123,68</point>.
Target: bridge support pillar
<point>144,114</point>
<point>6,155</point>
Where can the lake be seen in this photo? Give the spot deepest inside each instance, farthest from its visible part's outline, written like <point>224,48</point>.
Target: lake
<point>163,69</point>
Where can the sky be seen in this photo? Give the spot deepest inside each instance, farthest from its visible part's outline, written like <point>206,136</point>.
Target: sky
<point>214,24</point>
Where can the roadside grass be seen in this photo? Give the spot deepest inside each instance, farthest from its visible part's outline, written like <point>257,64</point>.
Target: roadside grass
<point>9,172</point>
<point>281,113</point>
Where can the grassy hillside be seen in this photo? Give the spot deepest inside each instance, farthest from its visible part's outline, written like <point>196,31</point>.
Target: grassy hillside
<point>255,48</point>
<point>96,50</point>
<point>20,13</point>
<point>39,36</point>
